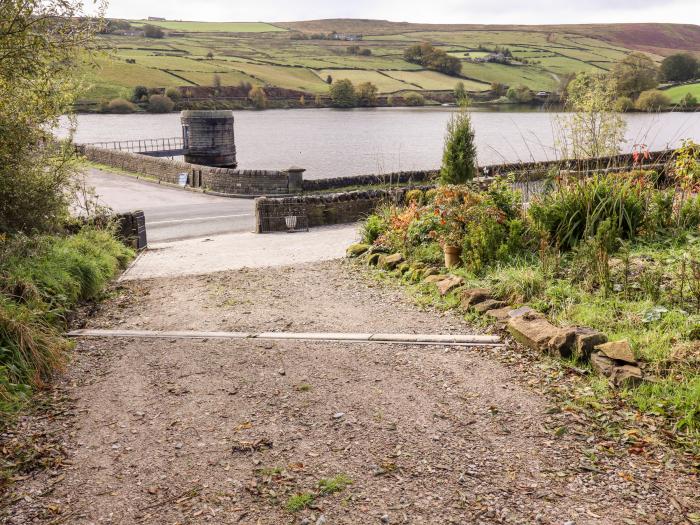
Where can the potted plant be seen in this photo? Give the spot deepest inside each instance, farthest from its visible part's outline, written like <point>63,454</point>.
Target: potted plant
<point>452,205</point>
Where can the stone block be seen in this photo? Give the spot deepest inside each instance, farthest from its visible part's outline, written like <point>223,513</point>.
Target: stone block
<point>627,376</point>
<point>618,350</point>
<point>389,262</point>
<point>357,249</point>
<point>602,364</point>
<point>586,341</point>
<point>532,331</point>
<point>473,296</point>
<point>562,344</point>
<point>450,283</point>
<point>434,278</point>
<point>488,304</point>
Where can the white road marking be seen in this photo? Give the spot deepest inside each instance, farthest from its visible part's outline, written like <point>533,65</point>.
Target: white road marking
<point>198,219</point>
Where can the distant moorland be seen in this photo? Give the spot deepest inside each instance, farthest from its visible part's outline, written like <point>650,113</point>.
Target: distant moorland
<point>301,56</point>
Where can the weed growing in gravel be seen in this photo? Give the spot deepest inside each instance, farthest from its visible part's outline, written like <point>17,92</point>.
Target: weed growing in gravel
<point>299,502</point>
<point>303,387</point>
<point>335,484</point>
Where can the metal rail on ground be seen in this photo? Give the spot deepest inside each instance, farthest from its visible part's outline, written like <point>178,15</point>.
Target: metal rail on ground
<point>425,339</point>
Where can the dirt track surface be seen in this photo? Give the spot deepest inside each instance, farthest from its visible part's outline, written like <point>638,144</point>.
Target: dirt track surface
<point>180,431</point>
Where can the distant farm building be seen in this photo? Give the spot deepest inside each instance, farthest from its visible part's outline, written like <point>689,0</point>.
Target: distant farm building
<point>156,19</point>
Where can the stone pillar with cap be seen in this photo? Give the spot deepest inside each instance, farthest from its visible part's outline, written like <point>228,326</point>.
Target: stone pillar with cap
<point>295,179</point>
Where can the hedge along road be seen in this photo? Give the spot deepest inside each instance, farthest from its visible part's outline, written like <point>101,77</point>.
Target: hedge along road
<point>172,213</point>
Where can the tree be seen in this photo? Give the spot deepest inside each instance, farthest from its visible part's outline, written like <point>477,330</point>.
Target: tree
<point>688,101</point>
<point>593,128</point>
<point>210,55</point>
<point>414,99</point>
<point>173,94</point>
<point>459,155</point>
<point>680,67</point>
<point>652,100</point>
<point>499,89</point>
<point>302,101</point>
<point>366,94</point>
<point>318,101</point>
<point>258,97</point>
<point>432,58</point>
<point>160,104</point>
<point>459,92</point>
<point>216,81</point>
<point>343,94</point>
<point>634,74</point>
<point>329,79</point>
<point>41,45</point>
<point>139,93</point>
<point>151,31</point>
<point>520,94</point>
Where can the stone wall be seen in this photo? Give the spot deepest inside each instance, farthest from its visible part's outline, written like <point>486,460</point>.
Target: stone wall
<point>323,209</point>
<point>219,180</point>
<point>401,177</point>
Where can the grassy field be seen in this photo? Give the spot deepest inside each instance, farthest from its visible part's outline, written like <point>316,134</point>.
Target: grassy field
<point>678,92</point>
<point>274,55</point>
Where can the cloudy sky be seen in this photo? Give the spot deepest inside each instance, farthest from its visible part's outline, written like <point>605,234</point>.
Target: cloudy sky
<point>433,11</point>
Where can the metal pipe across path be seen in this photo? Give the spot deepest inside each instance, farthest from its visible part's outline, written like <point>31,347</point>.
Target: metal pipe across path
<point>440,339</point>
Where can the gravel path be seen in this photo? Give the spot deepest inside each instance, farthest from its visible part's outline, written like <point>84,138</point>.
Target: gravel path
<point>180,431</point>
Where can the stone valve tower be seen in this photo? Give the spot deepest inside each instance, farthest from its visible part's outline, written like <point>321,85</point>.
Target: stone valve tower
<point>208,138</point>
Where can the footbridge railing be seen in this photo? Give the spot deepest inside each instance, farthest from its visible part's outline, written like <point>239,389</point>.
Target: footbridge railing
<point>163,147</point>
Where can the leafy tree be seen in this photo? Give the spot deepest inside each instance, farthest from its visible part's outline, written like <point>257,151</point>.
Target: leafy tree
<point>499,89</point>
<point>41,44</point>
<point>688,101</point>
<point>593,128</point>
<point>302,101</point>
<point>634,74</point>
<point>624,104</point>
<point>216,81</point>
<point>343,94</point>
<point>459,155</point>
<point>160,104</point>
<point>318,101</point>
<point>414,99</point>
<point>151,31</point>
<point>459,92</point>
<point>680,67</point>
<point>139,93</point>
<point>329,79</point>
<point>390,100</point>
<point>173,94</point>
<point>432,58</point>
<point>652,100</point>
<point>210,55</point>
<point>366,94</point>
<point>258,97</point>
<point>521,94</point>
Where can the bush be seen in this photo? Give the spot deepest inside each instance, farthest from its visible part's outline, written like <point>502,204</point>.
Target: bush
<point>414,99</point>
<point>372,228</point>
<point>624,104</point>
<point>160,104</point>
<point>173,94</point>
<point>139,93</point>
<point>689,101</point>
<point>121,106</point>
<point>258,97</point>
<point>414,196</point>
<point>679,67</point>
<point>343,94</point>
<point>652,100</point>
<point>151,31</point>
<point>432,58</point>
<point>366,94</point>
<point>520,94</point>
<point>459,154</point>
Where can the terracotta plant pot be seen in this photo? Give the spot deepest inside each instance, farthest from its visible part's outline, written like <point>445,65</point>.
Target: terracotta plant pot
<point>452,254</point>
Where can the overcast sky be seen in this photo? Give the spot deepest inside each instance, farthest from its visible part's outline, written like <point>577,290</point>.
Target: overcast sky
<point>432,11</point>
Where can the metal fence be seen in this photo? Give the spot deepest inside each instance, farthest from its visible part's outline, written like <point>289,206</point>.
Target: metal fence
<point>163,147</point>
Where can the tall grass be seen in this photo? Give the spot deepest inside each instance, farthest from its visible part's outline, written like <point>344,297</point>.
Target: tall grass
<point>41,279</point>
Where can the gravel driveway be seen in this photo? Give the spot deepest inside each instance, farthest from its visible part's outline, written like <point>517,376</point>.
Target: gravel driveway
<point>181,431</point>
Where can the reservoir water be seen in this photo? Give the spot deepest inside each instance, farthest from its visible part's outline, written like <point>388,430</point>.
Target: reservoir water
<point>334,143</point>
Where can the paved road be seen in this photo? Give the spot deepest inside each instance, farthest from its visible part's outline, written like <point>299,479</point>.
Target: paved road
<point>172,213</point>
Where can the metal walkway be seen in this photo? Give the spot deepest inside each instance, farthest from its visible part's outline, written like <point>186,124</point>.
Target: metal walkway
<point>164,147</point>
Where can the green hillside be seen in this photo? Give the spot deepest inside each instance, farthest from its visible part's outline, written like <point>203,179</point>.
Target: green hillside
<point>301,55</point>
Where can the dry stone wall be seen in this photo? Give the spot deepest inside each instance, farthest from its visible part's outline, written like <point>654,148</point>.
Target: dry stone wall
<point>219,180</point>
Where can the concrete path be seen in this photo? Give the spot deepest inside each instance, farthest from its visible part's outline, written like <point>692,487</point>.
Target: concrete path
<point>172,213</point>
<point>241,250</point>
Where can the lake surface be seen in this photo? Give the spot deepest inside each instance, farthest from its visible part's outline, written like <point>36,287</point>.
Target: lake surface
<point>334,143</point>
